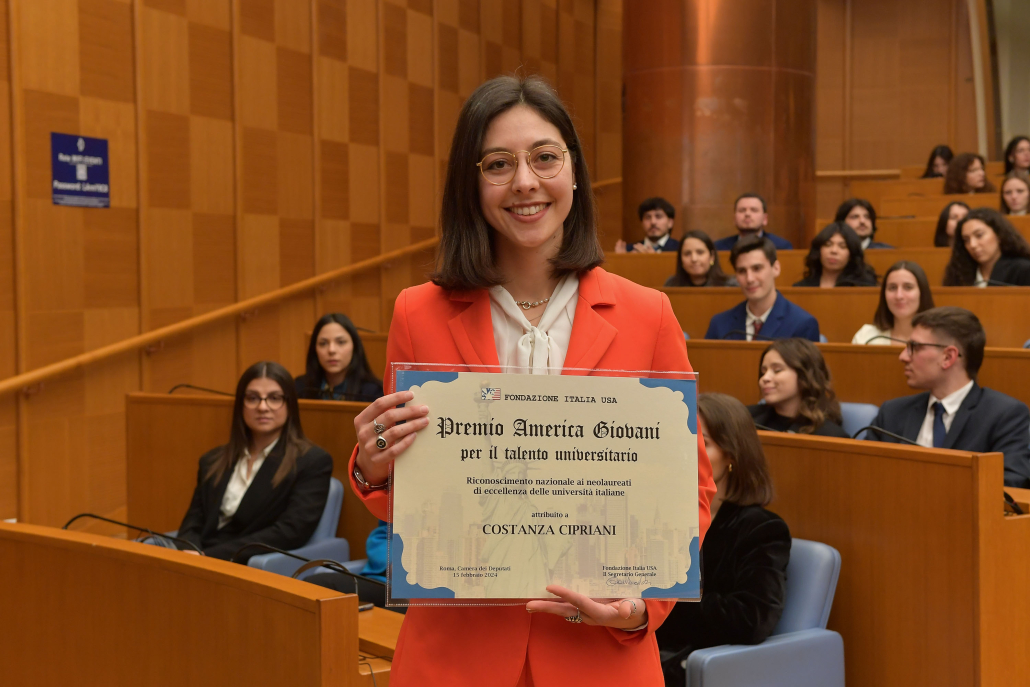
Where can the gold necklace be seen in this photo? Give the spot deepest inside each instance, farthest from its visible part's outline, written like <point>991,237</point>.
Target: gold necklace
<point>526,305</point>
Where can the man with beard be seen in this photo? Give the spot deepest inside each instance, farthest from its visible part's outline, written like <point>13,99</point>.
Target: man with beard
<point>656,218</point>
<point>751,217</point>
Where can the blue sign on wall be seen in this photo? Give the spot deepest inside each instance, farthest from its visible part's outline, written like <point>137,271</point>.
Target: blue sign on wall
<point>80,171</point>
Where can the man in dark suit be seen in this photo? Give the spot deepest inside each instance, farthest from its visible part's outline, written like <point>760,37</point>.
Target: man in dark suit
<point>656,219</point>
<point>943,356</point>
<point>751,216</point>
<point>766,314</point>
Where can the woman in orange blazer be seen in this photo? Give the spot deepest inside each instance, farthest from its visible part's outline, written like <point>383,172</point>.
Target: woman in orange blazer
<point>518,285</point>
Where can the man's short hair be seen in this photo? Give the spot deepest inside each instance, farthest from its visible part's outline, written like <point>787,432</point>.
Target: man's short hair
<point>961,326</point>
<point>742,196</point>
<point>750,243</point>
<point>656,203</point>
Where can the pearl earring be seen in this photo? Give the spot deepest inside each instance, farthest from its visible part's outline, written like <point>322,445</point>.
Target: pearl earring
<point>575,186</point>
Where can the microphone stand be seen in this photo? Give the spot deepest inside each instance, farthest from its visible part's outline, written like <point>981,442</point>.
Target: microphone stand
<point>134,527</point>
<point>881,430</point>
<point>199,388</point>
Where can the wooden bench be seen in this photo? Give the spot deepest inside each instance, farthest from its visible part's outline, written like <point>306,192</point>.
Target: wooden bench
<point>916,233</point>
<point>931,206</point>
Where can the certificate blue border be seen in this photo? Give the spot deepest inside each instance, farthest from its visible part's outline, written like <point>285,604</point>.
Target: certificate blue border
<point>400,588</point>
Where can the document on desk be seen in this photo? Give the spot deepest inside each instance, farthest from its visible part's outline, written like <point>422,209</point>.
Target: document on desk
<point>521,481</point>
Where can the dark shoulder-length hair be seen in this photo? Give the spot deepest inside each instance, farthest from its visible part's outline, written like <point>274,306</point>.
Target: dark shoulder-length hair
<point>818,399</point>
<point>465,260</point>
<point>961,269</point>
<point>1010,149</point>
<point>942,152</point>
<point>884,318</point>
<point>716,277</point>
<point>850,204</point>
<point>296,444</point>
<point>1005,209</point>
<point>955,179</point>
<point>731,428</point>
<point>856,267</point>
<point>940,237</point>
<point>358,371</point>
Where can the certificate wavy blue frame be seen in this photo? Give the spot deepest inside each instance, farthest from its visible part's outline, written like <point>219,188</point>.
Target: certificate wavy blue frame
<point>399,587</point>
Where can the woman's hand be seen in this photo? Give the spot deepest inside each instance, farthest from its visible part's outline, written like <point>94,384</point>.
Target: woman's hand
<point>623,614</point>
<point>373,461</point>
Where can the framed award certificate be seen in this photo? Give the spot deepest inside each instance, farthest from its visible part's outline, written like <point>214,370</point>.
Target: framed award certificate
<point>521,481</point>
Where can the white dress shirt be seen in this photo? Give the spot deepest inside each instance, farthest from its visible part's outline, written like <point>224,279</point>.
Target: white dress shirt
<point>239,482</point>
<point>539,349</point>
<point>979,280</point>
<point>660,243</point>
<point>951,404</point>
<point>750,320</point>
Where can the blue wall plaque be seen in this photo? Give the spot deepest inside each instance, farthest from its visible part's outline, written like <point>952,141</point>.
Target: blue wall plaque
<point>80,171</point>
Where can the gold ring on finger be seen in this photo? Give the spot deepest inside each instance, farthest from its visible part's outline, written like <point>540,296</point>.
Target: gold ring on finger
<point>578,618</point>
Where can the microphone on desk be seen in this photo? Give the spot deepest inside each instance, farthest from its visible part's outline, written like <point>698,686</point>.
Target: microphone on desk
<point>199,388</point>
<point>1012,503</point>
<point>881,430</point>
<point>994,282</point>
<point>764,428</point>
<point>884,336</point>
<point>754,337</point>
<point>149,531</point>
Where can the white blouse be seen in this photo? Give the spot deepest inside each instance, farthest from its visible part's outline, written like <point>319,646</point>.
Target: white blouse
<point>869,334</point>
<point>539,349</point>
<point>239,483</point>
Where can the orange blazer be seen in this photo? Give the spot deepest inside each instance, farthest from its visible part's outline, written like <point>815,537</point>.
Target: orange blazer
<point>618,325</point>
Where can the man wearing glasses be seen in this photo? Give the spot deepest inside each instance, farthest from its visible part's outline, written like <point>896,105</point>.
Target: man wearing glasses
<point>943,357</point>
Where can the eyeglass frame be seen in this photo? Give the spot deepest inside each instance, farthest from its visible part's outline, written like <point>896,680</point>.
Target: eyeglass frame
<point>529,155</point>
<point>267,400</point>
<point>912,346</point>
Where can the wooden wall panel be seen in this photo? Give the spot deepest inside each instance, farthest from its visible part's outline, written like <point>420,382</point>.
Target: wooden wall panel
<point>8,320</point>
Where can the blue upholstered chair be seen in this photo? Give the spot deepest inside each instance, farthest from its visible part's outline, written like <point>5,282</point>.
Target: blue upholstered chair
<point>856,416</point>
<point>822,338</point>
<point>323,543</point>
<point>801,651</point>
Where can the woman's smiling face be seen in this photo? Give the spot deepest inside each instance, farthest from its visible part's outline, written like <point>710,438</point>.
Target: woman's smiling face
<point>528,212</point>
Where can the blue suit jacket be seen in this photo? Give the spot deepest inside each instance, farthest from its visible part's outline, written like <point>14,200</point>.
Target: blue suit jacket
<point>987,420</point>
<point>785,321</point>
<point>728,242</point>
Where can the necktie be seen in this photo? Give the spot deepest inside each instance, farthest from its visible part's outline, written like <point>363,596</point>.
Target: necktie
<point>938,425</point>
<point>758,328</point>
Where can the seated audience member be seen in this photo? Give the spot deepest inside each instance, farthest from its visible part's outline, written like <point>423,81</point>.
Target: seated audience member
<point>860,216</point>
<point>836,259</point>
<point>937,165</point>
<point>943,357</point>
<point>269,484</point>
<point>798,394</point>
<point>905,292</point>
<point>1015,194</point>
<point>337,369</point>
<point>949,218</point>
<point>967,173</point>
<point>745,552</point>
<point>765,313</point>
<point>1017,156</point>
<point>656,218</point>
<point>750,216</point>
<point>990,253</point>
<point>698,264</point>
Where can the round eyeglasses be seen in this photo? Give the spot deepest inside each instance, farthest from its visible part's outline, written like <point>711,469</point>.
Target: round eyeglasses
<point>499,168</point>
<point>274,401</point>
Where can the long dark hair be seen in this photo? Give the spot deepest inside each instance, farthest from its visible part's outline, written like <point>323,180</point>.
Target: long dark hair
<point>732,429</point>
<point>943,152</point>
<point>465,259</point>
<point>856,269</point>
<point>884,318</point>
<point>296,444</point>
<point>940,237</point>
<point>850,204</point>
<point>818,399</point>
<point>955,179</point>
<point>1005,209</point>
<point>716,277</point>
<point>358,371</point>
<point>961,269</point>
<point>1010,149</point>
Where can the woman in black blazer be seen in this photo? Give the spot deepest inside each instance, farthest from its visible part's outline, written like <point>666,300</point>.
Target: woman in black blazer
<point>269,484</point>
<point>337,369</point>
<point>988,251</point>
<point>836,259</point>
<point>745,552</point>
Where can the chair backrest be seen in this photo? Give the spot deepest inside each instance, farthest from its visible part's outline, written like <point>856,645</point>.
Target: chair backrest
<point>330,519</point>
<point>856,416</point>
<point>811,582</point>
<point>822,338</point>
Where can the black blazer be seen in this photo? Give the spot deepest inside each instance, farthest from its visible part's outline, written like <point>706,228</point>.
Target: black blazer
<point>744,560</point>
<point>986,421</point>
<point>1010,270</point>
<point>284,517</point>
<point>764,414</point>
<point>369,391</point>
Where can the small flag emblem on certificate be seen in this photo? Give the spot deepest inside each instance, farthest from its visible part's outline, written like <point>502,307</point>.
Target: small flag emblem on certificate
<point>490,394</point>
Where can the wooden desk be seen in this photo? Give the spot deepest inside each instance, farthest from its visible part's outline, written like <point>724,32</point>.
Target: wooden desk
<point>81,609</point>
<point>876,190</point>
<point>931,206</point>
<point>915,233</point>
<point>168,434</point>
<point>934,578</point>
<point>861,374</point>
<point>841,312</point>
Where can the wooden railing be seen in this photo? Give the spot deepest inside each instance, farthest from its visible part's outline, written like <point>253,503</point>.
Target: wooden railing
<point>63,367</point>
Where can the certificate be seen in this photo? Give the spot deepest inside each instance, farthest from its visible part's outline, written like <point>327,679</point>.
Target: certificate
<point>520,481</point>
